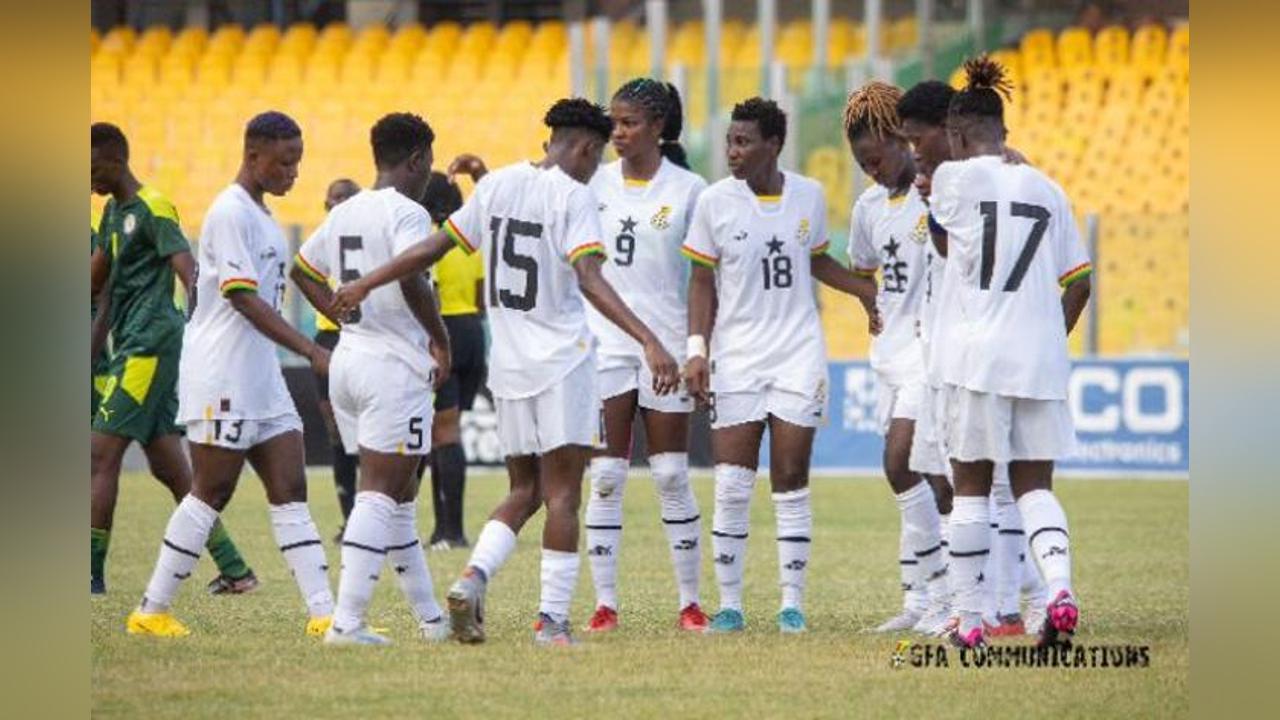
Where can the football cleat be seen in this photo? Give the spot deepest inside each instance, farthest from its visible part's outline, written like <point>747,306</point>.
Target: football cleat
<point>1007,626</point>
<point>223,585</point>
<point>435,631</point>
<point>791,621</point>
<point>318,626</point>
<point>727,621</point>
<point>604,620</point>
<point>361,635</point>
<point>970,640</point>
<point>97,586</point>
<point>1060,621</point>
<point>549,632</point>
<point>466,607</point>
<point>934,621</point>
<point>901,622</point>
<point>158,624</point>
<point>693,619</point>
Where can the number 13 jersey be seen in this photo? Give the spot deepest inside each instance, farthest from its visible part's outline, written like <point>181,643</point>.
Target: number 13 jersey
<point>767,331</point>
<point>531,224</point>
<point>1012,242</point>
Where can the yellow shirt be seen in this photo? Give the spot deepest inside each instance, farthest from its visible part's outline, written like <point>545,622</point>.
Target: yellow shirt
<point>456,275</point>
<point>323,323</point>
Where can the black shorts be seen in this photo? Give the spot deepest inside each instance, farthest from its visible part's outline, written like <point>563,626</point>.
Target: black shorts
<point>466,342</point>
<point>327,339</point>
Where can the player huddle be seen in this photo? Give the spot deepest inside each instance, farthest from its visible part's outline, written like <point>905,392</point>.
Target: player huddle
<point>628,290</point>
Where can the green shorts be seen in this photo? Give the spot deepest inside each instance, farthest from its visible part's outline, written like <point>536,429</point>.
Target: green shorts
<point>97,383</point>
<point>139,397</point>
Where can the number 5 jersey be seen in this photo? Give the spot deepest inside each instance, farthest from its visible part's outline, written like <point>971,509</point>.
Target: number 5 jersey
<point>531,224</point>
<point>767,331</point>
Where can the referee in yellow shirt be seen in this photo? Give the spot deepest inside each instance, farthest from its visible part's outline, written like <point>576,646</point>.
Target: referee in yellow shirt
<point>459,280</point>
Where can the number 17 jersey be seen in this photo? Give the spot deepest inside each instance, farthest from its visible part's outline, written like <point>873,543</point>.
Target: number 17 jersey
<point>531,224</point>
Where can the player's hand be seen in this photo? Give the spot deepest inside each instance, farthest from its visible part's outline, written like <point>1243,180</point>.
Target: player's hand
<point>319,360</point>
<point>663,367</point>
<point>467,163</point>
<point>347,298</point>
<point>874,324</point>
<point>443,358</point>
<point>1013,157</point>
<point>924,184</point>
<point>697,379</point>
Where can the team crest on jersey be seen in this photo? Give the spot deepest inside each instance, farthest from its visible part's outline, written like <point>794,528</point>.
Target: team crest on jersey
<point>920,233</point>
<point>602,207</point>
<point>661,220</point>
<point>130,223</point>
<point>802,232</point>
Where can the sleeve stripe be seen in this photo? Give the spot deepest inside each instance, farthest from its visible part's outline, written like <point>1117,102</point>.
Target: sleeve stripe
<point>234,284</point>
<point>864,272</point>
<point>819,249</point>
<point>1076,273</point>
<point>590,248</point>
<point>310,270</point>
<point>458,238</point>
<point>697,257</point>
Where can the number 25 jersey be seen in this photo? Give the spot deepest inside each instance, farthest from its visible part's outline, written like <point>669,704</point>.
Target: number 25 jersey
<point>767,330</point>
<point>1012,242</point>
<point>531,224</point>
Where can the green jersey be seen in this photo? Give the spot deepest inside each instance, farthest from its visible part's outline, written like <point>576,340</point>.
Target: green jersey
<point>100,362</point>
<point>139,236</point>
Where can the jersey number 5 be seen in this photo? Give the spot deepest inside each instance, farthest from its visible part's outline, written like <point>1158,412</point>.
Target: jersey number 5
<point>526,264</point>
<point>990,212</point>
<point>348,244</point>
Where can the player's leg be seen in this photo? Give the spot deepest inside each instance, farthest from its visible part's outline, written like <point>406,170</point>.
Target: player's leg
<point>449,461</point>
<point>106,453</point>
<point>561,472</point>
<point>737,426</point>
<point>448,476</point>
<point>668,441</point>
<point>790,449</point>
<point>1006,558</point>
<point>279,460</point>
<point>923,570</point>
<point>603,521</point>
<point>344,463</point>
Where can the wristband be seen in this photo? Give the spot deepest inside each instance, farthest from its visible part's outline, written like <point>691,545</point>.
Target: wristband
<point>934,227</point>
<point>696,346</point>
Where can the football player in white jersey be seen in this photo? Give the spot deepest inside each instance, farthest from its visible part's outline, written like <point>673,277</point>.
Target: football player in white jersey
<point>538,227</point>
<point>757,241</point>
<point>889,232</point>
<point>1011,243</point>
<point>923,112</point>
<point>646,199</point>
<point>393,351</point>
<point>231,391</point>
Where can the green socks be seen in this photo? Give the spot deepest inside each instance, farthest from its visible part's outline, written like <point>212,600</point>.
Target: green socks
<point>98,542</point>
<point>224,553</point>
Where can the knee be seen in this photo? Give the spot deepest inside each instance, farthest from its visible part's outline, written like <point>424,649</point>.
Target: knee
<point>670,473</point>
<point>734,485</point>
<point>102,461</point>
<point>526,500</point>
<point>608,479</point>
<point>215,497</point>
<point>562,501</point>
<point>943,494</point>
<point>788,476</point>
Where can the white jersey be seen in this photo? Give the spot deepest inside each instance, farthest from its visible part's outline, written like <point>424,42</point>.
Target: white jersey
<point>360,234</point>
<point>531,224</point>
<point>645,224</point>
<point>767,330</point>
<point>927,325</point>
<point>1012,243</point>
<point>890,235</point>
<point>228,368</point>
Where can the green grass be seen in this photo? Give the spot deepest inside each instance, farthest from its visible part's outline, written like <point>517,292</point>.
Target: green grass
<point>247,656</point>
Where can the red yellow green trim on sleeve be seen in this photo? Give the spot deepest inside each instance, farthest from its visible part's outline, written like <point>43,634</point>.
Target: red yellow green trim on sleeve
<point>821,248</point>
<point>231,285</point>
<point>310,270</point>
<point>1077,273</point>
<point>697,257</point>
<point>864,272</point>
<point>458,238</point>
<point>585,249</point>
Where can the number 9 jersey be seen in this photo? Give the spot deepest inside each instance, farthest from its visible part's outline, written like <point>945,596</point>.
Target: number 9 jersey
<point>531,224</point>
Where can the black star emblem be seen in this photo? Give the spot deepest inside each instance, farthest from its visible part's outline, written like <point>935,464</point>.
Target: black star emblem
<point>775,245</point>
<point>981,577</point>
<point>892,247</point>
<point>628,225</point>
<point>401,569</point>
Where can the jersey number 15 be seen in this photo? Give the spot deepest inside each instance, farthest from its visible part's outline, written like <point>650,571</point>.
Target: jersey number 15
<point>505,232</point>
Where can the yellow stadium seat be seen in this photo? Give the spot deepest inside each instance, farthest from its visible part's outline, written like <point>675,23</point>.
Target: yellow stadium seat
<point>1111,46</point>
<point>1075,47</point>
<point>1150,46</point>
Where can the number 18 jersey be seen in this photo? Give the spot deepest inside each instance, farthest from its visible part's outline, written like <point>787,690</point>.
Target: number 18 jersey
<point>1012,242</point>
<point>531,224</point>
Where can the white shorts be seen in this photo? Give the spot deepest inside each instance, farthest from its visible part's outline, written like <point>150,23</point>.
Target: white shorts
<point>897,402</point>
<point>735,408</point>
<point>928,454</point>
<point>635,375</point>
<point>985,426</point>
<point>380,404</point>
<point>241,434</point>
<point>567,413</point>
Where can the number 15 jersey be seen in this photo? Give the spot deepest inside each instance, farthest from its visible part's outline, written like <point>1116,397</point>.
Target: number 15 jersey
<point>531,224</point>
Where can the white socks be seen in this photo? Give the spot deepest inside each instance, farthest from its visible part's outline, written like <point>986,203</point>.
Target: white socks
<point>1046,528</point>
<point>404,552</point>
<point>921,542</point>
<point>184,539</point>
<point>299,541</point>
<point>681,520</point>
<point>559,577</point>
<point>793,512</point>
<point>364,547</point>
<point>970,546</point>
<point>604,526</point>
<point>492,549</point>
<point>729,528</point>
<point>1007,552</point>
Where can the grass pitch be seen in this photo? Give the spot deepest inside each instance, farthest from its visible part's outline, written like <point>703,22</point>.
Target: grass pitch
<point>247,656</point>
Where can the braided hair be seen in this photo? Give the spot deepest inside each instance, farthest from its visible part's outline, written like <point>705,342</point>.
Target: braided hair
<point>981,99</point>
<point>659,100</point>
<point>873,109</point>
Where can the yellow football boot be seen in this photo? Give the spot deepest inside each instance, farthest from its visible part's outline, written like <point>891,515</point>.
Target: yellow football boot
<point>158,624</point>
<point>318,626</point>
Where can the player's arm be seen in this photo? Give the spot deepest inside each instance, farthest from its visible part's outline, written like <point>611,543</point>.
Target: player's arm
<point>99,271</point>
<point>413,261</point>
<point>100,327</point>
<point>184,266</point>
<point>1074,298</point>
<point>421,299</point>
<point>319,294</point>
<point>267,321</point>
<point>702,320</point>
<point>834,275</point>
<point>598,291</point>
<point>467,163</point>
